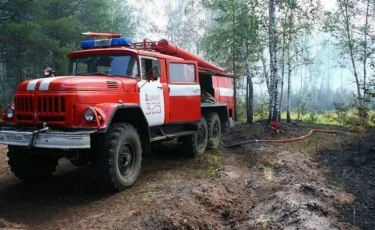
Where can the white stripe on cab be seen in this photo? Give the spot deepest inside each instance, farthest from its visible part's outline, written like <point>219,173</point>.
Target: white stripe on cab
<point>184,90</point>
<point>31,85</point>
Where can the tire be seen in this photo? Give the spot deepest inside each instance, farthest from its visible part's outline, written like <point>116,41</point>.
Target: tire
<point>29,167</point>
<point>120,147</point>
<point>196,144</point>
<point>214,130</point>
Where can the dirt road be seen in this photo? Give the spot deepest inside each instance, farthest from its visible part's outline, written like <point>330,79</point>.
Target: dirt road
<point>257,186</point>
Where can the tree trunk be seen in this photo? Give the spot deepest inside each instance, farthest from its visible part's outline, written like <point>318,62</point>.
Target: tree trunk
<point>282,78</point>
<point>288,119</point>
<point>249,84</point>
<point>265,72</point>
<point>273,60</point>
<point>268,79</point>
<point>351,49</point>
<point>283,63</point>
<point>250,107</point>
<point>365,52</point>
<point>234,62</point>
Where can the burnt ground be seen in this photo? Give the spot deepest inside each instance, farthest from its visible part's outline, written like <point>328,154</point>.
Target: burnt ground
<point>297,185</point>
<point>352,168</point>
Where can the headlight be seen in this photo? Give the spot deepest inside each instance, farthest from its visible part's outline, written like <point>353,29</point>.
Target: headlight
<point>89,114</point>
<point>9,113</point>
<point>47,71</point>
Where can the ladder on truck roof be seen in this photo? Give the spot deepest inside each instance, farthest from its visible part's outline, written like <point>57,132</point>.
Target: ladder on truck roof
<point>165,47</point>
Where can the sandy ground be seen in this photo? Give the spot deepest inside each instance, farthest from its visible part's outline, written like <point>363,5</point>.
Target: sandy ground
<point>254,186</point>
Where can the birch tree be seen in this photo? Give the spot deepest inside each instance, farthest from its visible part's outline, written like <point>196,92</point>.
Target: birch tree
<point>352,26</point>
<point>298,18</point>
<point>274,77</point>
<point>232,41</point>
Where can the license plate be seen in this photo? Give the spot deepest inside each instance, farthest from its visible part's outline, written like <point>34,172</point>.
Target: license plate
<point>15,137</point>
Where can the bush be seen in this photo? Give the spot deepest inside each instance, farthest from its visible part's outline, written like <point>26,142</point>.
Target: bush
<point>261,111</point>
<point>371,116</point>
<point>355,122</point>
<point>301,108</point>
<point>312,118</point>
<point>341,112</point>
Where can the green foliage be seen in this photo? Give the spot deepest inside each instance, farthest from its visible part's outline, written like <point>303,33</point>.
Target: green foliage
<point>341,112</point>
<point>301,108</point>
<point>241,110</point>
<point>355,118</point>
<point>38,33</point>
<point>261,111</point>
<point>234,22</point>
<point>313,118</point>
<point>212,163</point>
<point>371,117</point>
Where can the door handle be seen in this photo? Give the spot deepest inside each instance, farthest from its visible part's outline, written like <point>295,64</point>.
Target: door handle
<point>160,87</point>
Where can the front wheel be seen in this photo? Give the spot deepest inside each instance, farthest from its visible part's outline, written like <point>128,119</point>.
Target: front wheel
<point>196,144</point>
<point>30,167</point>
<point>119,157</point>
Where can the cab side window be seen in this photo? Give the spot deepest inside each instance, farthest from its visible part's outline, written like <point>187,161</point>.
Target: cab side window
<point>182,73</point>
<point>149,66</point>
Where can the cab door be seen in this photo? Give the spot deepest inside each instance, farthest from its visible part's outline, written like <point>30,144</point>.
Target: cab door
<point>151,93</point>
<point>184,92</point>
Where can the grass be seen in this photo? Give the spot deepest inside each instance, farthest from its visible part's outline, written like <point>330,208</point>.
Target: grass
<point>321,117</point>
<point>212,163</point>
<point>265,220</point>
<point>268,173</point>
<point>327,118</point>
<point>325,170</point>
<point>341,185</point>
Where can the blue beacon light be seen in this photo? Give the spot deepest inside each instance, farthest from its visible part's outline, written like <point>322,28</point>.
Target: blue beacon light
<point>122,41</point>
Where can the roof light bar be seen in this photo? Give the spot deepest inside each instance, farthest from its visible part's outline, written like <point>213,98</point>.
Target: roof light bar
<point>122,41</point>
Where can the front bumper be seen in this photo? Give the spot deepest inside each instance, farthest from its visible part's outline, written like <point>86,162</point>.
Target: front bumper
<point>46,138</point>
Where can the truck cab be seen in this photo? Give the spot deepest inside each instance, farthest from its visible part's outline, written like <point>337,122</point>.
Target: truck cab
<point>117,98</point>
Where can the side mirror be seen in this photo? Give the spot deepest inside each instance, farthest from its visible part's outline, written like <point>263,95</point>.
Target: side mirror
<point>48,72</point>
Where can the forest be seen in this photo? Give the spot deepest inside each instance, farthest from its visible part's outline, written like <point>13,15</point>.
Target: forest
<point>289,58</point>
<point>306,66</point>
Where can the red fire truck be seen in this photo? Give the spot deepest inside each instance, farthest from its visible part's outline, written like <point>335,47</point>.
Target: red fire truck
<point>118,97</point>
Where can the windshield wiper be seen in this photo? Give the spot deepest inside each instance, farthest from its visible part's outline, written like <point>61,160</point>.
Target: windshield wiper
<point>96,73</point>
<point>103,74</point>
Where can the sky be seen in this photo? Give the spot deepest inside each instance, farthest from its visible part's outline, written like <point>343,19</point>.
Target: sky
<point>328,4</point>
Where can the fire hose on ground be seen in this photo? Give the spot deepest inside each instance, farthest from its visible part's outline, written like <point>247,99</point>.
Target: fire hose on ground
<point>287,140</point>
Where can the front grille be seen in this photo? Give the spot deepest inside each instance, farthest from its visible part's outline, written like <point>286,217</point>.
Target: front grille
<point>51,104</point>
<point>40,108</point>
<point>24,103</point>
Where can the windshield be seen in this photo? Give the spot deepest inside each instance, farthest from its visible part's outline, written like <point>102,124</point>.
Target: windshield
<point>104,64</point>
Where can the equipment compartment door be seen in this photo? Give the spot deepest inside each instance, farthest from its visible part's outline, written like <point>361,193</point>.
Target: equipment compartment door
<point>184,92</point>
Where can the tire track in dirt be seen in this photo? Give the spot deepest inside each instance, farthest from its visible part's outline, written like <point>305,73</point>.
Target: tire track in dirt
<point>251,187</point>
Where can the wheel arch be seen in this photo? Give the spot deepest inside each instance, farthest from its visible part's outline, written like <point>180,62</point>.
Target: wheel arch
<point>220,109</point>
<point>133,115</point>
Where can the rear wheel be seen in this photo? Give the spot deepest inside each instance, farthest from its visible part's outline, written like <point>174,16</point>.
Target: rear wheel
<point>119,157</point>
<point>195,145</point>
<point>30,167</point>
<point>214,130</point>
